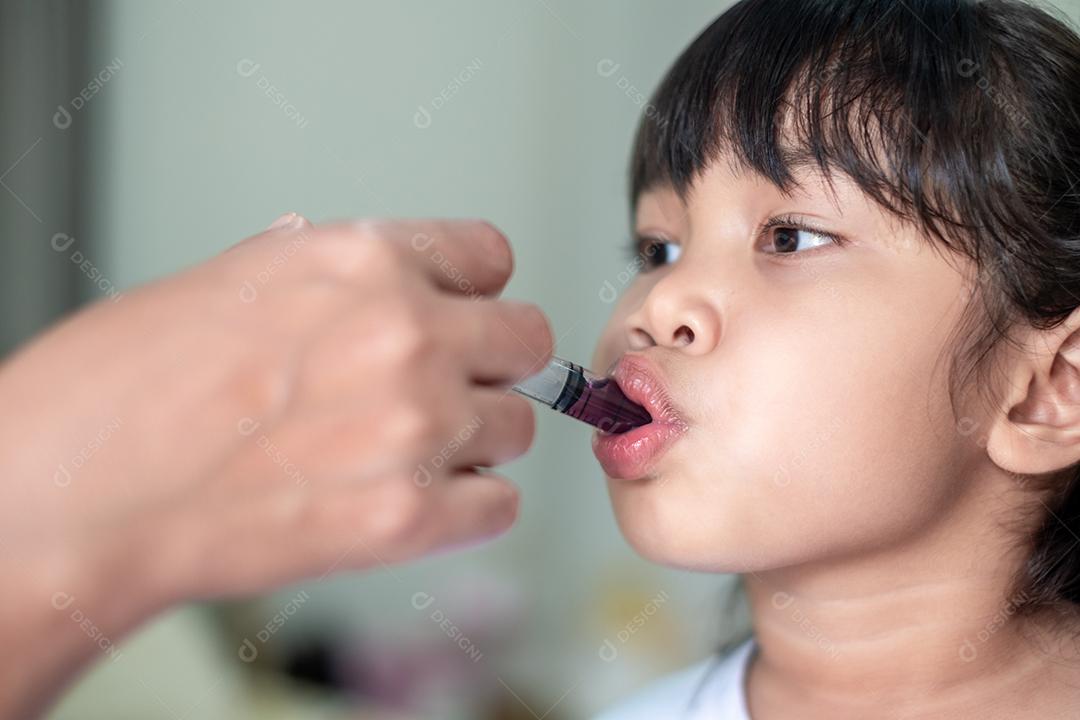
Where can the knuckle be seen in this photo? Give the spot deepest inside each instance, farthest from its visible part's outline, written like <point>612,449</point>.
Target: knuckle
<point>399,513</point>
<point>378,253</point>
<point>504,505</point>
<point>523,422</point>
<point>413,428</point>
<point>256,387</point>
<point>310,513</point>
<point>372,229</point>
<point>533,333</point>
<point>362,251</point>
<point>519,423</point>
<point>490,333</point>
<point>510,505</point>
<point>540,329</point>
<point>410,337</point>
<point>496,246</point>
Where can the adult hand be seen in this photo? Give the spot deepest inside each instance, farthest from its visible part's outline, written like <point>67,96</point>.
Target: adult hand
<point>312,399</point>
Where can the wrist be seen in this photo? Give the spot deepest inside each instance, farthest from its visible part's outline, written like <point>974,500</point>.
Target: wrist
<point>78,599</point>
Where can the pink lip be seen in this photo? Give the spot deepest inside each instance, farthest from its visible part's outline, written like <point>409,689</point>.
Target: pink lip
<point>633,454</point>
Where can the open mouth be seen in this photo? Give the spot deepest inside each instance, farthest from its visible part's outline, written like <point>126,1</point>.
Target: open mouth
<point>633,453</point>
<point>613,413</point>
<point>641,382</point>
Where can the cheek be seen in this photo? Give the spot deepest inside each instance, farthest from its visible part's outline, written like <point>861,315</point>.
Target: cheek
<point>812,437</point>
<point>840,433</point>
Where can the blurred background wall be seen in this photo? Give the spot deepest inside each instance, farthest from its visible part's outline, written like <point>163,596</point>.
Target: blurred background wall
<point>151,134</point>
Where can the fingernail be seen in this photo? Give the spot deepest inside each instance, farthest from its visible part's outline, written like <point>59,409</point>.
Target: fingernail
<point>283,221</point>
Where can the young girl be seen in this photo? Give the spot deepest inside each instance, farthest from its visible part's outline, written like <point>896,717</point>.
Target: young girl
<point>856,327</point>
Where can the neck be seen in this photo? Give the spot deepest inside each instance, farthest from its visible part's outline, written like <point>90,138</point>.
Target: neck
<point>927,627</point>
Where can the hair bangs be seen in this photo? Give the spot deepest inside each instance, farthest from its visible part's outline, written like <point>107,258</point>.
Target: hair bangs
<point>773,86</point>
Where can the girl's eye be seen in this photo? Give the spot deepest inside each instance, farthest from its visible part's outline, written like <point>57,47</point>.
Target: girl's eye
<point>790,238</point>
<point>650,253</point>
<point>786,234</point>
<point>789,241</point>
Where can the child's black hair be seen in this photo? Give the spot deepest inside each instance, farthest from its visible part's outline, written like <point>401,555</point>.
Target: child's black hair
<point>959,116</point>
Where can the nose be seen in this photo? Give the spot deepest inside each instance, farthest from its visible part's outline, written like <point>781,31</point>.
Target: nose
<point>676,313</point>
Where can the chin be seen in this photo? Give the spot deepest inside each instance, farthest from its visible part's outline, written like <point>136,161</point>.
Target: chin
<point>676,531</point>
<point>690,523</point>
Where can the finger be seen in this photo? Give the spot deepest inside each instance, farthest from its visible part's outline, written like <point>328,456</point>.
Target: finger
<point>473,506</point>
<point>499,341</point>
<point>289,221</point>
<point>500,429</point>
<point>394,521</point>
<point>466,257</point>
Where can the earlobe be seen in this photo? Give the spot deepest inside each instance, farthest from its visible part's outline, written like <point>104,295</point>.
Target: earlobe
<point>1036,428</point>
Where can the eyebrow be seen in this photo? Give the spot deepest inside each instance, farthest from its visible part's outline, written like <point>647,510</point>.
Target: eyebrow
<point>800,159</point>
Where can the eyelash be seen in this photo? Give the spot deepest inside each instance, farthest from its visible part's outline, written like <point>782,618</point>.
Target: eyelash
<point>635,249</point>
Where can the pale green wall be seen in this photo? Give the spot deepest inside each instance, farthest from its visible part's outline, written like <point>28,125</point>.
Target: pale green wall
<point>189,156</point>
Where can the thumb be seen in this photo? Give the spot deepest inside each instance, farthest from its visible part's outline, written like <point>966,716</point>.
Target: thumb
<point>289,221</point>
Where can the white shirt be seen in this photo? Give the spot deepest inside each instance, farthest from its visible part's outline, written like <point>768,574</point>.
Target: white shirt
<point>681,695</point>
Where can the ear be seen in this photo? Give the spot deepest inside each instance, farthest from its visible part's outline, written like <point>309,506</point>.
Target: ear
<point>1036,428</point>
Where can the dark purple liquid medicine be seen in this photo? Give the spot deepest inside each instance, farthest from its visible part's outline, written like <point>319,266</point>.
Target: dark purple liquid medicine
<point>599,402</point>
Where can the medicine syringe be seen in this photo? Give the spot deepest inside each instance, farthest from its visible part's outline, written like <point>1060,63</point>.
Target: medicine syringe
<point>579,393</point>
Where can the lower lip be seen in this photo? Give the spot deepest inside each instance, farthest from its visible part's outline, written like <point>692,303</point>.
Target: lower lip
<point>633,454</point>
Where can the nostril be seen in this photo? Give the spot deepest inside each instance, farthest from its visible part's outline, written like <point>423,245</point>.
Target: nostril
<point>684,335</point>
<point>640,339</point>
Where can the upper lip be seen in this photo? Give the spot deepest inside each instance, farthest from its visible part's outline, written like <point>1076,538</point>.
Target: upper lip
<point>641,381</point>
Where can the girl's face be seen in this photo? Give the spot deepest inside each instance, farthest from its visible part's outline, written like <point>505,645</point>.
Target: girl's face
<point>812,374</point>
